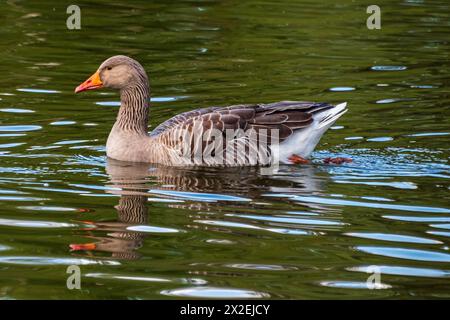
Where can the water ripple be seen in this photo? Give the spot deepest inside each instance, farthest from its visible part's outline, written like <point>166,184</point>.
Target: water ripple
<point>16,110</point>
<point>215,293</point>
<point>388,68</point>
<point>119,277</point>
<point>4,248</point>
<point>288,220</point>
<point>391,100</point>
<point>411,254</point>
<point>396,184</point>
<point>47,208</point>
<point>62,123</point>
<point>341,202</point>
<point>418,219</point>
<point>441,226</point>
<point>34,224</point>
<point>392,237</point>
<point>439,233</point>
<point>11,145</point>
<point>19,128</point>
<point>98,275</point>
<point>231,224</point>
<point>428,134</point>
<point>34,90</point>
<point>152,229</point>
<point>380,139</point>
<point>252,266</point>
<point>342,89</point>
<point>403,271</point>
<point>48,261</point>
<point>199,196</point>
<point>354,285</point>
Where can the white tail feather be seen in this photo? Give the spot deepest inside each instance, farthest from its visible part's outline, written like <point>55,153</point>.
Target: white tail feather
<point>304,141</point>
<point>332,115</point>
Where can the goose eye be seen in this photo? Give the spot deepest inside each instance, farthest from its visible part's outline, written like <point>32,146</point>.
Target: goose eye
<point>109,68</point>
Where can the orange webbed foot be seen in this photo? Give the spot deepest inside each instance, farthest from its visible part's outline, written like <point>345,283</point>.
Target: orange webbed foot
<point>296,159</point>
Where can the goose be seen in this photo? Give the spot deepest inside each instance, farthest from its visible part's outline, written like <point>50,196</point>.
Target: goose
<point>236,135</point>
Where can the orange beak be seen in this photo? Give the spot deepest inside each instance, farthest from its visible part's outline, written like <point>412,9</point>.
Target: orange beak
<point>85,246</point>
<point>92,83</point>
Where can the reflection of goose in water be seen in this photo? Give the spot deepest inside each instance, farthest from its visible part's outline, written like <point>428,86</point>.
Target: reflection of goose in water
<point>136,183</point>
<point>245,181</point>
<point>120,242</point>
<point>131,209</point>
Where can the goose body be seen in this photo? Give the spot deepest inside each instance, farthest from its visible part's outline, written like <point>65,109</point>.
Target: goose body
<point>237,135</point>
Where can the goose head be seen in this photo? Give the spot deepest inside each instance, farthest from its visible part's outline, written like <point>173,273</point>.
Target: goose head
<point>118,72</point>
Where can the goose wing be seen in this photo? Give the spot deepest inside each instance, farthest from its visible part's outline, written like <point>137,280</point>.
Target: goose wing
<point>286,116</point>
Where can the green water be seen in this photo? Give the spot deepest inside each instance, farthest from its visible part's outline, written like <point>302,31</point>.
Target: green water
<point>305,232</point>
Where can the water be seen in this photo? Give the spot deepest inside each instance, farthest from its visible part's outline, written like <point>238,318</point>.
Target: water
<point>311,231</point>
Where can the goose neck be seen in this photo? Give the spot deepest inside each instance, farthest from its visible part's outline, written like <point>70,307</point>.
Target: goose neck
<point>134,109</point>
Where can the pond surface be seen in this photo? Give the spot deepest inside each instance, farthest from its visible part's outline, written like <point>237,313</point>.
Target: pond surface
<point>310,231</point>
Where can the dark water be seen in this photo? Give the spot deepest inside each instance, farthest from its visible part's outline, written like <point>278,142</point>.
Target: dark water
<point>312,231</point>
